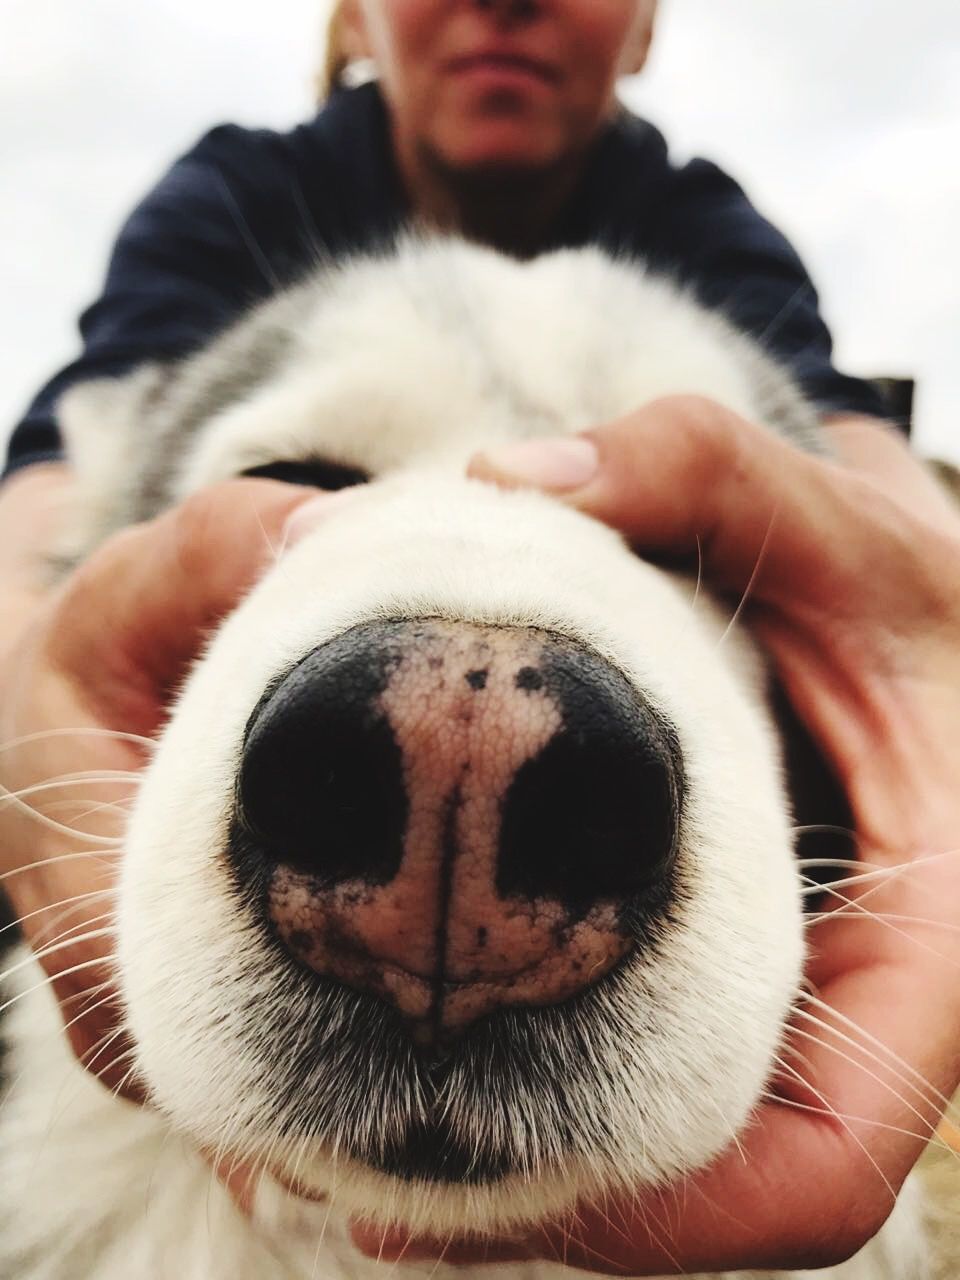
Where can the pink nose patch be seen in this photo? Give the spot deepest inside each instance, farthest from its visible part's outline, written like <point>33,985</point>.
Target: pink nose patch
<point>533,783</point>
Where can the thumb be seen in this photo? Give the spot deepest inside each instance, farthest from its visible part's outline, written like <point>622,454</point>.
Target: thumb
<point>132,617</point>
<point>685,479</point>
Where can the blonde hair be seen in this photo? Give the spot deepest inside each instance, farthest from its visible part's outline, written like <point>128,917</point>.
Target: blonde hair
<point>337,56</point>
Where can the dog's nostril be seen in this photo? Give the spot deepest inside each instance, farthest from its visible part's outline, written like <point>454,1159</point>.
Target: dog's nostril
<point>321,779</point>
<point>595,815</point>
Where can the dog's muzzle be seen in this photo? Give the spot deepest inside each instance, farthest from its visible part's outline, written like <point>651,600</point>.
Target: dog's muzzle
<point>457,818</point>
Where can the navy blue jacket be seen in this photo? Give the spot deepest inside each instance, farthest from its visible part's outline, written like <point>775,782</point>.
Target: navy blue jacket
<point>247,211</point>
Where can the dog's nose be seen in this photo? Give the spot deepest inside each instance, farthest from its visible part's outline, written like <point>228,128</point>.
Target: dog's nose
<point>457,817</point>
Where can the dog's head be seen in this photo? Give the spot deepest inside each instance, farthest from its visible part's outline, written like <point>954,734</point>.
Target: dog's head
<point>461,884</point>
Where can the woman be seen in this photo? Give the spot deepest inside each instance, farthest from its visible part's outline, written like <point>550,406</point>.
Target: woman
<point>498,120</point>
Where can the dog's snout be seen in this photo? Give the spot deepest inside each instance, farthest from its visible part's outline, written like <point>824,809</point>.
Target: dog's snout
<point>456,818</point>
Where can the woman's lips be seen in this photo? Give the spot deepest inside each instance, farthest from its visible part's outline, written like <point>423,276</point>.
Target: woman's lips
<point>503,68</point>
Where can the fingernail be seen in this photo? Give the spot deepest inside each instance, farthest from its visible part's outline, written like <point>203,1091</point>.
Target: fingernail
<point>555,464</point>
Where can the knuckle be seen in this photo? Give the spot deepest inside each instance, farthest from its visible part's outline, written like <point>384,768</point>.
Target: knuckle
<point>204,520</point>
<point>190,537</point>
<point>97,574</point>
<point>197,528</point>
<point>697,413</point>
<point>197,515</point>
<point>708,432</point>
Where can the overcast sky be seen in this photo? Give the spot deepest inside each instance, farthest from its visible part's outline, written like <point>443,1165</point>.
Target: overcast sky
<point>840,117</point>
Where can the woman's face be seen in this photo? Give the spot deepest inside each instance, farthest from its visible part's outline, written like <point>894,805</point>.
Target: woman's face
<point>501,84</point>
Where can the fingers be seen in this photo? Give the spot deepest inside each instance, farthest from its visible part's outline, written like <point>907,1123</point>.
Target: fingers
<point>397,1246</point>
<point>134,615</point>
<point>685,478</point>
<point>789,1198</point>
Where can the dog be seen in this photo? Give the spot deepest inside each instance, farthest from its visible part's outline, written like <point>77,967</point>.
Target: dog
<point>461,884</point>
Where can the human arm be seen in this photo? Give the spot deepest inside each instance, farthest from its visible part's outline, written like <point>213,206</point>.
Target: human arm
<point>878,450</point>
<point>181,269</point>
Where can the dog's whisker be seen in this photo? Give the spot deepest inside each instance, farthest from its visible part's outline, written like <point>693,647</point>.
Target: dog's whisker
<point>128,1075</point>
<point>751,582</point>
<point>853,908</point>
<point>112,1064</point>
<point>111,998</point>
<point>75,899</point>
<point>107,855</point>
<point>858,864</point>
<point>850,911</point>
<point>928,1134</point>
<point>831,1110</point>
<point>66,973</point>
<point>874,1050</point>
<point>15,802</point>
<point>91,777</point>
<point>91,731</point>
<point>52,949</point>
<point>826,829</point>
<point>873,1075</point>
<point>70,938</point>
<point>71,932</point>
<point>96,1050</point>
<point>121,808</point>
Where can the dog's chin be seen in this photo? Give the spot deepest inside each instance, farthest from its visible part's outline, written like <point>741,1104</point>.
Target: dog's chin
<point>424,1202</point>
<point>358,1193</point>
<point>435,1141</point>
<point>487,1137</point>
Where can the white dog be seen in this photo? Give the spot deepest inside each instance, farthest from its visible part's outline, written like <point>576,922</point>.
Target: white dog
<point>461,884</point>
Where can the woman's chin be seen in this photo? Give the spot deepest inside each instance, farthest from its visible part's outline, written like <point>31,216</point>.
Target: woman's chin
<point>508,144</point>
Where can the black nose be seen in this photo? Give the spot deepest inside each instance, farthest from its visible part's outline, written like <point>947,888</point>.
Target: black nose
<point>458,817</point>
<point>323,783</point>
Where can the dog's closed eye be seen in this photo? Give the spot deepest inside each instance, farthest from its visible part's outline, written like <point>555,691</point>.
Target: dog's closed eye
<point>316,472</point>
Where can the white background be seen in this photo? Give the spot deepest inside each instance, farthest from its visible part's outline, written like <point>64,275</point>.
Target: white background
<point>841,118</point>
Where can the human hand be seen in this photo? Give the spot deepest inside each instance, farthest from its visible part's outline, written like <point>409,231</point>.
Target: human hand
<point>851,581</point>
<point>87,677</point>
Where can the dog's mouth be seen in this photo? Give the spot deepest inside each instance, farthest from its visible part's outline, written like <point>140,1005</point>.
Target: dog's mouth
<point>497,1103</point>
<point>432,1153</point>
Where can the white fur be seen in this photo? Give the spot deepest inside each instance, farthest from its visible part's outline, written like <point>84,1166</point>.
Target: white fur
<point>403,366</point>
